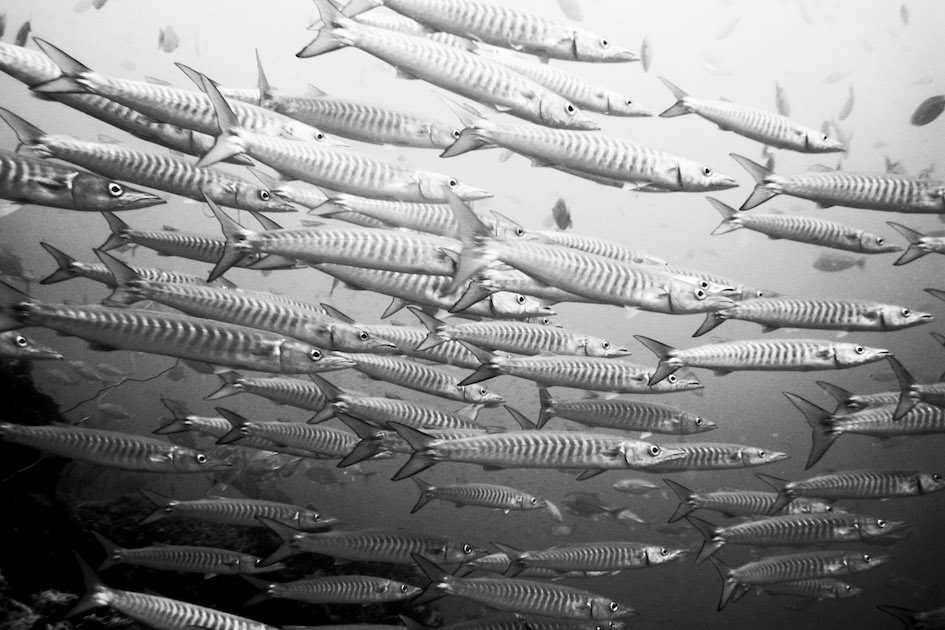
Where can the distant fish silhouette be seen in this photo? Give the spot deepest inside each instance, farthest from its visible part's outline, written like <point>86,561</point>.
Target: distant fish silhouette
<point>168,40</point>
<point>833,261</point>
<point>561,215</point>
<point>928,110</point>
<point>23,34</point>
<point>571,9</point>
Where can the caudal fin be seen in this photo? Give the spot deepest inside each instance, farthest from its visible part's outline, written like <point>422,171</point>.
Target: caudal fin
<point>229,387</point>
<point>111,551</point>
<point>239,426</point>
<point>27,134</point>
<point>822,434</point>
<point>116,238</point>
<point>226,145</point>
<point>685,496</point>
<point>915,249</point>
<point>785,495</point>
<point>905,615</point>
<point>123,276</point>
<point>908,397</point>
<point>679,108</point>
<point>418,441</point>
<point>289,536</point>
<point>663,353</point>
<point>485,371</point>
<point>433,325</point>
<point>759,173</point>
<point>235,234</point>
<point>516,565</point>
<point>327,39</point>
<point>712,320</point>
<point>72,70</point>
<point>438,580</point>
<point>64,260</point>
<point>730,221</point>
<point>728,583</point>
<point>547,411</point>
<point>842,396</point>
<point>10,299</point>
<point>470,229</point>
<point>712,543</point>
<point>95,592</point>
<point>426,493</point>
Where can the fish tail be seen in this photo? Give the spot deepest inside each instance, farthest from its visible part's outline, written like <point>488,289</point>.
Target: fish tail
<point>469,230</point>
<point>179,422</point>
<point>837,393</point>
<point>164,504</point>
<point>228,388</point>
<point>235,234</point>
<point>936,293</point>
<point>96,594</point>
<point>469,139</point>
<point>426,493</point>
<point>940,338</point>
<point>710,545</point>
<point>476,292</point>
<point>684,495</point>
<point>905,615</point>
<point>111,551</point>
<point>238,422</point>
<point>288,536</point>
<point>785,496</point>
<point>331,392</point>
<point>663,353</point>
<point>484,371</point>
<point>679,108</point>
<point>418,441</point>
<point>367,447</point>
<point>64,260</point>
<point>728,584</point>
<point>432,324</point>
<point>519,417</point>
<point>10,300</point>
<point>822,433</point>
<point>907,399</point>
<point>915,249</point>
<point>68,82</point>
<point>730,221</point>
<point>28,135</point>
<point>759,173</point>
<point>328,38</point>
<point>227,145</point>
<point>263,587</point>
<point>712,320</point>
<point>547,403</point>
<point>470,412</point>
<point>117,227</point>
<point>516,565</point>
<point>439,580</point>
<point>124,276</point>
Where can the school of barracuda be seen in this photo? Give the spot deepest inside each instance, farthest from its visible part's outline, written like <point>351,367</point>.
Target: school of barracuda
<point>413,234</point>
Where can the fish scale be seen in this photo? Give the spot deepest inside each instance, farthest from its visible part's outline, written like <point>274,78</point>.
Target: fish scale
<point>716,456</point>
<point>166,613</point>
<point>878,421</point>
<point>413,375</point>
<point>814,564</point>
<point>237,511</point>
<point>324,441</point>
<point>885,192</point>
<point>218,427</point>
<point>857,484</point>
<point>622,414</point>
<point>598,556</point>
<point>284,391</point>
<point>341,589</point>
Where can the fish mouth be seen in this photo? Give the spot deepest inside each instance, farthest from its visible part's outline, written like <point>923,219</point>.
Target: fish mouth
<point>925,317</point>
<point>468,193</point>
<point>776,457</point>
<point>280,205</point>
<point>134,200</point>
<point>624,55</point>
<point>724,182</point>
<point>584,124</point>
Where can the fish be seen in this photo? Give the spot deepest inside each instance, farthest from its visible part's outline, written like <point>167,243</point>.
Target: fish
<point>522,596</point>
<point>871,191</point>
<point>112,411</point>
<point>741,503</point>
<point>561,215</point>
<point>571,9</point>
<point>634,486</point>
<point>280,390</point>
<point>87,372</point>
<point>847,106</point>
<point>335,589</point>
<point>771,129</point>
<point>27,180</point>
<point>915,619</point>
<point>323,441</point>
<point>601,247</point>
<point>819,589</point>
<point>928,110</point>
<point>15,346</point>
<point>479,494</point>
<point>646,54</point>
<point>832,261</point>
<point>919,244</point>
<point>503,26</point>
<point>717,456</point>
<point>23,33</point>
<point>59,377</point>
<point>836,76</point>
<point>782,102</point>
<point>168,40</point>
<point>589,505</point>
<point>759,354</point>
<point>904,14</point>
<point>592,556</point>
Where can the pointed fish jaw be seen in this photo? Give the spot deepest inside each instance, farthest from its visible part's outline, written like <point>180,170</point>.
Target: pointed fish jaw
<point>848,355</point>
<point>640,455</point>
<point>759,457</point>
<point>588,46</point>
<point>471,193</point>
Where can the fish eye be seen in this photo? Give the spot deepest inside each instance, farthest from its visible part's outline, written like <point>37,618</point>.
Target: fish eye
<point>467,549</point>
<point>115,190</point>
<point>700,294</point>
<point>859,350</point>
<point>264,195</point>
<point>880,240</point>
<point>881,523</point>
<point>482,391</point>
<point>403,588</point>
<point>519,231</point>
<point>201,458</point>
<point>703,284</point>
<point>759,293</point>
<point>520,299</point>
<point>906,312</point>
<point>654,450</point>
<point>936,478</point>
<point>614,606</point>
<point>319,136</point>
<point>534,500</point>
<point>706,171</point>
<point>867,557</point>
<point>606,345</point>
<point>628,102</point>
<point>569,108</point>
<point>824,137</point>
<point>21,341</point>
<point>317,517</point>
<point>604,44</point>
<point>452,183</point>
<point>363,336</point>
<point>315,355</point>
<point>664,551</point>
<point>762,454</point>
<point>698,422</point>
<point>672,378</point>
<point>455,134</point>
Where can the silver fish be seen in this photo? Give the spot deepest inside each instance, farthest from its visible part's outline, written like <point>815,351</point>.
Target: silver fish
<point>928,110</point>
<point>741,503</point>
<point>716,456</point>
<point>919,244</point>
<point>479,494</point>
<point>280,390</point>
<point>593,556</point>
<point>13,345</point>
<point>335,589</point>
<point>833,261</point>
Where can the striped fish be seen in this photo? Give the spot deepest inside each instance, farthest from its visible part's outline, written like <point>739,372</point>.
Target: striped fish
<point>111,448</point>
<point>310,197</point>
<point>622,414</point>
<point>601,247</point>
<point>335,168</point>
<point>819,589</point>
<point>593,452</point>
<point>160,171</point>
<point>847,401</point>
<point>876,421</point>
<point>500,278</point>
<point>913,393</point>
<point>588,95</point>
<point>523,596</point>
<point>500,563</point>
<point>375,441</point>
<point>716,456</point>
<point>771,129</point>
<point>184,559</point>
<point>856,484</point>
<point>233,511</point>
<point>280,390</point>
<point>13,345</point>
<point>253,309</point>
<point>593,373</point>
<point>336,589</point>
<point>171,242</point>
<point>606,159</point>
<point>741,503</point>
<point>414,375</point>
<point>758,354</point>
<point>809,230</point>
<point>408,339</point>
<point>28,180</point>
<point>821,314</point>
<point>69,268</point>
<point>505,27</point>
<point>324,441</point>
<point>517,337</point>
<point>189,109</point>
<point>448,67</point>
<point>156,611</point>
<point>793,567</point>
<point>885,192</point>
<point>796,529</point>
<point>371,545</point>
<point>919,244</point>
<point>592,556</point>
<point>168,334</point>
<point>480,494</point>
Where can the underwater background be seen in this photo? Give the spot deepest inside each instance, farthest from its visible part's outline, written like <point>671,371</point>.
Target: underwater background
<point>888,53</point>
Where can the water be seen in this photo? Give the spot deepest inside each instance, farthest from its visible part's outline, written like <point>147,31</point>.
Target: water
<point>892,67</point>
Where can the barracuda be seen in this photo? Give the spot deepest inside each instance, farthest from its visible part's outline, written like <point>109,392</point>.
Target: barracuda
<point>622,414</point>
<point>810,230</point>
<point>884,192</point>
<point>375,440</point>
<point>478,494</point>
<point>741,503</point>
<point>607,159</point>
<point>282,391</point>
<point>601,247</point>
<point>715,456</point>
<point>335,589</point>
<point>821,314</point>
<point>506,27</point>
<point>449,67</point>
<point>324,441</point>
<point>168,334</point>
<point>111,449</point>
<point>13,345</point>
<point>756,354</point>
<point>919,244</point>
<point>765,127</point>
<point>27,180</point>
<point>590,557</point>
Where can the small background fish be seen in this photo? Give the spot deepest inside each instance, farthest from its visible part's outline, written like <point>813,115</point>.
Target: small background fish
<point>168,41</point>
<point>928,110</point>
<point>561,215</point>
<point>836,261</point>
